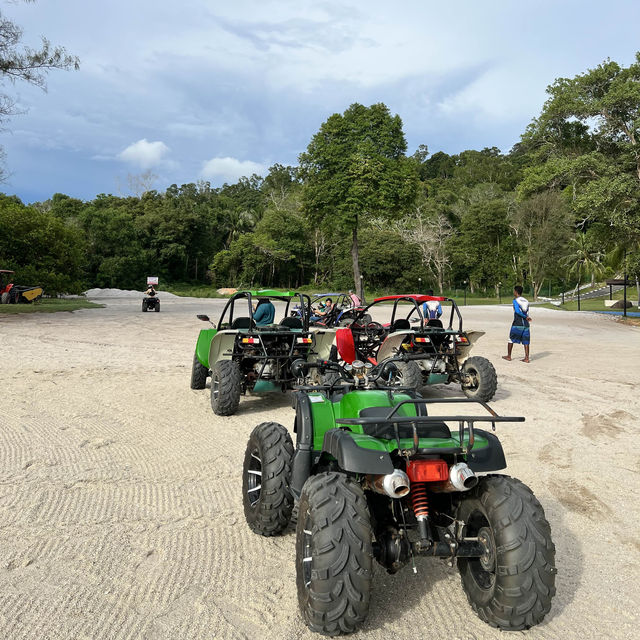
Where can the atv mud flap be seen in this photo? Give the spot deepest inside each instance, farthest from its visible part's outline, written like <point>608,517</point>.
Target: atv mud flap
<point>356,459</point>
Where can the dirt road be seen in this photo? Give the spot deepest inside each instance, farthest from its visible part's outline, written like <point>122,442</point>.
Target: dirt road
<point>120,501</point>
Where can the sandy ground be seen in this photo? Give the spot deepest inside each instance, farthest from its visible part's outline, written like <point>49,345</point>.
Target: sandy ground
<point>120,499</point>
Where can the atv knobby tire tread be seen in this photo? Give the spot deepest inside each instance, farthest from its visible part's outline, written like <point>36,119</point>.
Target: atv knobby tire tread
<point>227,373</point>
<point>199,374</point>
<point>411,375</point>
<point>334,508</point>
<point>524,585</point>
<point>144,305</point>
<point>487,379</point>
<point>271,514</point>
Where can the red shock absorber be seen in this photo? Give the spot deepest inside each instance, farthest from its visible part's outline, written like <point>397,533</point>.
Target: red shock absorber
<point>420,503</point>
<point>419,500</point>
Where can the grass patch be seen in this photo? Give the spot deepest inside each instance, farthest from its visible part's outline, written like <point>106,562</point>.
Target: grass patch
<point>192,291</point>
<point>49,305</point>
<point>596,304</point>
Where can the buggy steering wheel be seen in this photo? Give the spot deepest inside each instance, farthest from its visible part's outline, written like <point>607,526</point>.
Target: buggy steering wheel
<point>374,329</point>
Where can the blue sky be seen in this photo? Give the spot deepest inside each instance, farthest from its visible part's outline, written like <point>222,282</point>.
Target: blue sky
<point>214,90</point>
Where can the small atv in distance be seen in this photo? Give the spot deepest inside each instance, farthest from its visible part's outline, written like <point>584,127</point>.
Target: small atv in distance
<point>377,477</point>
<point>151,303</point>
<point>241,356</point>
<point>427,352</point>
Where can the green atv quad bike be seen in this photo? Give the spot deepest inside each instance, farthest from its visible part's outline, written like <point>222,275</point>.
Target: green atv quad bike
<point>374,475</point>
<point>241,356</point>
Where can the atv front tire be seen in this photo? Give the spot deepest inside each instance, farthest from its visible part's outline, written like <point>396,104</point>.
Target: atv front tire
<point>483,380</point>
<point>512,584</point>
<point>225,387</point>
<point>334,554</point>
<point>409,375</point>
<point>266,479</point>
<point>199,374</point>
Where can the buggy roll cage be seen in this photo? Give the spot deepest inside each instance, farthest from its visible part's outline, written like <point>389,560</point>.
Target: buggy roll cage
<point>418,301</point>
<point>282,296</point>
<point>462,420</point>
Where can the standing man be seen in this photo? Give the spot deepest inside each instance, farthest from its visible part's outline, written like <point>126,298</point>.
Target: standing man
<point>519,333</point>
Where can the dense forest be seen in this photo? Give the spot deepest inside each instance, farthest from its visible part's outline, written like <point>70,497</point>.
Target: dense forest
<point>562,206</point>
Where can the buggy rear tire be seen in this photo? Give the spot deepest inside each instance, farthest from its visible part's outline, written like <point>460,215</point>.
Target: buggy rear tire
<point>512,584</point>
<point>484,380</point>
<point>199,374</point>
<point>409,375</point>
<point>225,387</point>
<point>334,554</point>
<point>266,479</point>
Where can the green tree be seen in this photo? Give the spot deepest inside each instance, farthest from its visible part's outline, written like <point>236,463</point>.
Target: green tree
<point>355,168</point>
<point>587,140</point>
<point>541,226</point>
<point>584,258</point>
<point>41,248</point>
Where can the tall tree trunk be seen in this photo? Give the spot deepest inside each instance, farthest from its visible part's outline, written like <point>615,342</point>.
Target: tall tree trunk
<point>355,257</point>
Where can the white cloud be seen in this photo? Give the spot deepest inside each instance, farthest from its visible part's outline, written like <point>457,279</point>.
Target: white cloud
<point>144,154</point>
<point>230,169</point>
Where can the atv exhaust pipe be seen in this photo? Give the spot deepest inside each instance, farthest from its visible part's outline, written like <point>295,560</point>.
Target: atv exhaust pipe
<point>394,485</point>
<point>461,478</point>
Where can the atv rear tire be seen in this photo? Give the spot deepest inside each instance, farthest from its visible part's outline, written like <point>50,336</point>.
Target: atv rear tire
<point>144,305</point>
<point>484,380</point>
<point>334,554</point>
<point>157,307</point>
<point>225,387</point>
<point>266,479</point>
<point>409,375</point>
<point>511,586</point>
<point>199,374</point>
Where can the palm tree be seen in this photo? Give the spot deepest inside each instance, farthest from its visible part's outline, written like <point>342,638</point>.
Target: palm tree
<point>583,257</point>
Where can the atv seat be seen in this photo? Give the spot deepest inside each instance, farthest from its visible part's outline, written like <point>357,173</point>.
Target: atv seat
<point>243,323</point>
<point>401,324</point>
<point>386,430</point>
<point>291,323</point>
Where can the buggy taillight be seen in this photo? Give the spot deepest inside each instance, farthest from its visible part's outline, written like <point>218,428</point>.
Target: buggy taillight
<point>427,470</point>
<point>462,339</point>
<point>418,339</point>
<point>304,340</point>
<point>250,340</point>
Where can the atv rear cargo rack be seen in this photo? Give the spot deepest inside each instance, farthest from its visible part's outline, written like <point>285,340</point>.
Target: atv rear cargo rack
<point>465,422</point>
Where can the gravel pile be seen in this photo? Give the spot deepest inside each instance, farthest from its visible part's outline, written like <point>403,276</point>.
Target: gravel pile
<point>123,293</point>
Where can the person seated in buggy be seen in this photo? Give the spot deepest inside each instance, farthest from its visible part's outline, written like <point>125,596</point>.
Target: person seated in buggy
<point>323,311</point>
<point>264,312</point>
<point>432,310</point>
